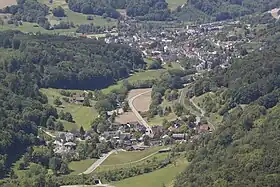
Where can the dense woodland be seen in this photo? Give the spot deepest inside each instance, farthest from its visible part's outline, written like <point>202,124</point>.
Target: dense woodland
<point>218,10</point>
<point>243,151</point>
<point>142,9</point>
<point>30,62</point>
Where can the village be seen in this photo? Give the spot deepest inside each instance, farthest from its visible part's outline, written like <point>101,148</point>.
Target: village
<point>127,134</point>
<point>201,43</point>
<point>206,44</point>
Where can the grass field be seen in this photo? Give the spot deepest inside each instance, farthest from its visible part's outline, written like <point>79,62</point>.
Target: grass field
<point>164,176</point>
<point>157,120</point>
<point>139,76</point>
<point>141,162</point>
<point>80,166</point>
<point>76,18</point>
<point>129,156</point>
<point>173,4</point>
<point>82,115</point>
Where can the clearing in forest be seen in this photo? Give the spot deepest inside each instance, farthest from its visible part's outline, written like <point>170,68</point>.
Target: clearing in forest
<point>82,115</point>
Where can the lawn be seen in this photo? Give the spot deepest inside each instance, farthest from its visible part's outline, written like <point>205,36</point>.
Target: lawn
<point>80,166</point>
<point>129,156</point>
<point>157,156</point>
<point>173,4</point>
<point>139,76</point>
<point>83,116</point>
<point>157,120</point>
<point>76,18</point>
<point>164,176</point>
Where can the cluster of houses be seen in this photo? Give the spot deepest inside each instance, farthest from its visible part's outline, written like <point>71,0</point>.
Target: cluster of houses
<point>129,136</point>
<point>174,45</point>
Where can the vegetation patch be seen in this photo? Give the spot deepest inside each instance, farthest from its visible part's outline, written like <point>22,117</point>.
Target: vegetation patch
<point>77,167</point>
<point>82,115</point>
<point>136,78</point>
<point>129,156</point>
<point>173,4</point>
<point>166,176</point>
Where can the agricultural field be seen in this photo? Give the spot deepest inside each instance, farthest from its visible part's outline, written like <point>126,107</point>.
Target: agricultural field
<point>4,3</point>
<point>82,115</point>
<point>126,118</point>
<point>166,176</point>
<point>80,166</point>
<point>141,103</point>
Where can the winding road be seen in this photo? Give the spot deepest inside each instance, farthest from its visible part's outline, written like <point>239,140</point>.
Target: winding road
<point>201,111</point>
<point>141,120</point>
<point>202,114</point>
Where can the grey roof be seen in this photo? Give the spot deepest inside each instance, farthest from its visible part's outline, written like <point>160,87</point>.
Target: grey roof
<point>70,144</point>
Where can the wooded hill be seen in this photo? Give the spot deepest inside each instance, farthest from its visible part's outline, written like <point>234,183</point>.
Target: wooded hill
<point>28,63</point>
<point>243,151</point>
<point>218,10</point>
<point>142,9</point>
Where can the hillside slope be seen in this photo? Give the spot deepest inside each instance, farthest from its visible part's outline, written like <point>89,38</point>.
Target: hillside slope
<point>244,149</point>
<point>28,63</point>
<point>218,10</point>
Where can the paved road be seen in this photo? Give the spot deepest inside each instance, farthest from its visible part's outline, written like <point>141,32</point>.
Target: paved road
<point>141,120</point>
<point>98,163</point>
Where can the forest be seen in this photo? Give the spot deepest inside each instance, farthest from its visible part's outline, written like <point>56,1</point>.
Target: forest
<point>31,62</point>
<point>243,150</point>
<point>219,10</point>
<point>156,10</point>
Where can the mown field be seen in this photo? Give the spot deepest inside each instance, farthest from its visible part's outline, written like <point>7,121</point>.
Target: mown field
<point>76,18</point>
<point>129,156</point>
<point>173,4</point>
<point>141,162</point>
<point>77,167</point>
<point>139,76</point>
<point>159,178</point>
<point>82,115</point>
